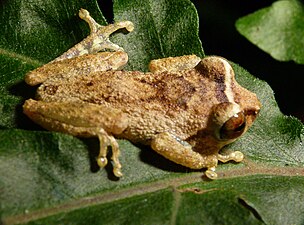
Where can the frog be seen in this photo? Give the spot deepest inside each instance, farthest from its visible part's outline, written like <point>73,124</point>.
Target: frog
<point>186,108</point>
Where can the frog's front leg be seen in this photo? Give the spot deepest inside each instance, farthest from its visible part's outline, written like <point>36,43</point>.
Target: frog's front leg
<point>83,120</point>
<point>181,152</point>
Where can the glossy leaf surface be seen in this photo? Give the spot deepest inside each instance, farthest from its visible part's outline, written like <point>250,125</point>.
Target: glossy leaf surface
<point>51,178</point>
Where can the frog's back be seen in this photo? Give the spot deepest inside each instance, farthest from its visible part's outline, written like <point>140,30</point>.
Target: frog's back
<point>127,89</point>
<point>155,102</point>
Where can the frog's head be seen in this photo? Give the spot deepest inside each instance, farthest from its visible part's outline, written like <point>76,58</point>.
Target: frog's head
<point>235,107</point>
<point>227,122</point>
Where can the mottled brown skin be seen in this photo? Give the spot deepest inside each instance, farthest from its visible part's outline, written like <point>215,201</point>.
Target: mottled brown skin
<point>154,102</point>
<point>186,108</point>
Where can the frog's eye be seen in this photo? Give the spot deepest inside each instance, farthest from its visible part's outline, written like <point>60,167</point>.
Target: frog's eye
<point>233,127</point>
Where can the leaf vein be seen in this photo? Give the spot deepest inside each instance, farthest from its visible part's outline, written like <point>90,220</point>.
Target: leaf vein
<point>21,57</point>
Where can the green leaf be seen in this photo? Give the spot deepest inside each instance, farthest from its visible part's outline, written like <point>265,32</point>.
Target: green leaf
<point>247,200</point>
<point>52,178</point>
<point>165,23</point>
<point>277,30</point>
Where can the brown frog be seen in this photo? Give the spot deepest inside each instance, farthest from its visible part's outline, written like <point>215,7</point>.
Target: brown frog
<point>186,108</point>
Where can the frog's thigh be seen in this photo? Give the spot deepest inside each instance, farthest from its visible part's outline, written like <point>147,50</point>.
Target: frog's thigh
<point>174,63</point>
<point>83,120</point>
<point>181,152</point>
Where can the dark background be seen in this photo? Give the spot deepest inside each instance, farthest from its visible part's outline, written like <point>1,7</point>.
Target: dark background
<point>220,37</point>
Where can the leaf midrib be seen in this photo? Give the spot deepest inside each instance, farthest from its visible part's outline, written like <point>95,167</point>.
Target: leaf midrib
<point>140,189</point>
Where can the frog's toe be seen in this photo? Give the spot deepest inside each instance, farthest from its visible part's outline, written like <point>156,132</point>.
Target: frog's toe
<point>117,172</point>
<point>102,161</point>
<point>128,25</point>
<point>83,13</point>
<point>236,156</point>
<point>115,157</point>
<point>211,174</point>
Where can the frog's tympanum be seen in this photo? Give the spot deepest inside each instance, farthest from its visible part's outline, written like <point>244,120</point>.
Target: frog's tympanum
<point>186,108</point>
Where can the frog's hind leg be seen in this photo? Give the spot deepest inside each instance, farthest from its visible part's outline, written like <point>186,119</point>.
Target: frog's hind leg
<point>84,57</point>
<point>83,120</point>
<point>98,40</point>
<point>174,64</point>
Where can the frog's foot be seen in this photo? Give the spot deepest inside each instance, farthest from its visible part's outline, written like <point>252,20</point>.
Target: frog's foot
<point>105,141</point>
<point>98,40</point>
<point>234,156</point>
<point>107,30</point>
